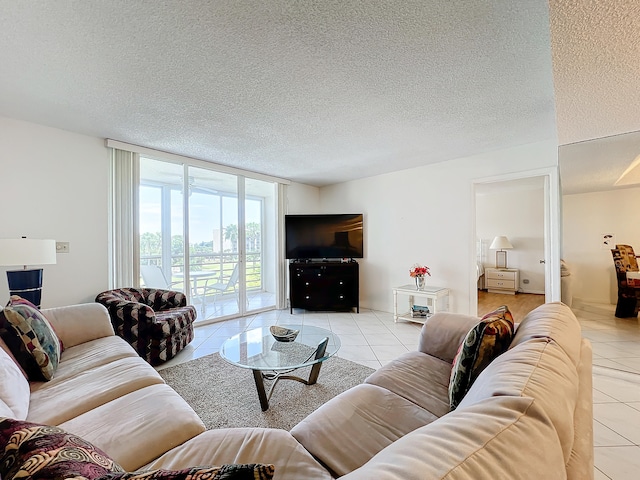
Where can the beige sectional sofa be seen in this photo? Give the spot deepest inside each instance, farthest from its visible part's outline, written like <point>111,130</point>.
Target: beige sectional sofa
<point>528,415</point>
<point>105,393</point>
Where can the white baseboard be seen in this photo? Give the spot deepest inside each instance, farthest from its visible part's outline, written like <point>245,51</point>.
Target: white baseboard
<point>601,308</point>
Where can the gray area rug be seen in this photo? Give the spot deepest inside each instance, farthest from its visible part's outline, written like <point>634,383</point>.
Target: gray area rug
<point>224,395</point>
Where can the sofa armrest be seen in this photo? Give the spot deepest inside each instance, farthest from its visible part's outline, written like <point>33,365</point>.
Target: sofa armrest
<point>160,299</point>
<point>125,312</point>
<point>443,333</point>
<point>76,324</point>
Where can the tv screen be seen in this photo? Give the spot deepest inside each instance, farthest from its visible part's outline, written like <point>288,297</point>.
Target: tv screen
<point>323,236</point>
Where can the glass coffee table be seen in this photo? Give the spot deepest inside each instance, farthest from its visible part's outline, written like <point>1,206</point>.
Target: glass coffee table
<point>272,360</point>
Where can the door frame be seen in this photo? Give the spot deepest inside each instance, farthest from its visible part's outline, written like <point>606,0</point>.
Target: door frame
<point>551,234</point>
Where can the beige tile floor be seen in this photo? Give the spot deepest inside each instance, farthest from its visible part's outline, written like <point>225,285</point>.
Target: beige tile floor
<point>372,338</point>
<point>616,390</point>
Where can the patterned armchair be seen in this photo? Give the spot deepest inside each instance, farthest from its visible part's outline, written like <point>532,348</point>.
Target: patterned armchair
<point>625,261</point>
<point>157,323</point>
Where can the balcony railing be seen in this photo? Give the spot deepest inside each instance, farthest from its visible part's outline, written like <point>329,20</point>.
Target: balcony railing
<point>220,265</point>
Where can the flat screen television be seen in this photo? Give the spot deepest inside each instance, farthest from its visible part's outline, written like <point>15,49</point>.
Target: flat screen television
<point>323,236</point>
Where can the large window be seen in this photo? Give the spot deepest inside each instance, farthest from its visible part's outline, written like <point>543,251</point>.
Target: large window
<point>161,216</point>
<point>229,224</point>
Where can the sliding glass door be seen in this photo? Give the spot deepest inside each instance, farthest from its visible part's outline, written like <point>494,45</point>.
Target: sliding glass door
<point>224,257</point>
<point>214,257</point>
<point>260,226</point>
<point>161,225</point>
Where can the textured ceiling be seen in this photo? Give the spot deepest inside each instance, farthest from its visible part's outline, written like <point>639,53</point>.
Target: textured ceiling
<point>315,91</point>
<point>596,165</point>
<point>326,91</point>
<point>596,69</point>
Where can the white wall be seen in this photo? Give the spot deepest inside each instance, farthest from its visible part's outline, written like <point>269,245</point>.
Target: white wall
<point>426,215</point>
<point>302,199</point>
<point>55,185</point>
<point>519,215</point>
<point>585,218</point>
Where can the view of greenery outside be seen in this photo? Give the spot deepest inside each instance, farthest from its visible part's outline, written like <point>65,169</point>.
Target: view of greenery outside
<point>202,256</point>
<point>213,245</point>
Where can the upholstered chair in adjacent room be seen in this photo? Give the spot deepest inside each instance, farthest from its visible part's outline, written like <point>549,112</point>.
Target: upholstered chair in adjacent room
<point>625,261</point>
<point>157,323</point>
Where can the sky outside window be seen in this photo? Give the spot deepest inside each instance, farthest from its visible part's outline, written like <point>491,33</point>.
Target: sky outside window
<point>204,212</point>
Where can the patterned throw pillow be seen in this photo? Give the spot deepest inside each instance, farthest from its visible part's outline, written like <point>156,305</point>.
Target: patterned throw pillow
<point>484,342</point>
<point>31,338</point>
<point>224,472</point>
<point>42,452</point>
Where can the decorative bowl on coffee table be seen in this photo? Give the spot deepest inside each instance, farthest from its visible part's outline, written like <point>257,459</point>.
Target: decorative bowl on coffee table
<point>283,334</point>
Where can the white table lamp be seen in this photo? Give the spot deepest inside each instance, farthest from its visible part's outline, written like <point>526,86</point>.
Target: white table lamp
<point>26,251</point>
<point>500,244</point>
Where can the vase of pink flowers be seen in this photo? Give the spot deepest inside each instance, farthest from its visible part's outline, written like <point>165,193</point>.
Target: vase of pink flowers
<point>419,272</point>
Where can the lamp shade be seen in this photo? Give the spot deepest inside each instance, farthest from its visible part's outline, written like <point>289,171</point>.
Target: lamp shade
<point>500,243</point>
<point>27,251</point>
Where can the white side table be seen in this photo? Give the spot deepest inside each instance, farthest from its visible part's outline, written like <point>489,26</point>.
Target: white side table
<point>435,298</point>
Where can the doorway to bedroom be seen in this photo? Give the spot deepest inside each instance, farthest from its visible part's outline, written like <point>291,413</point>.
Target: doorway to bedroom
<point>510,245</point>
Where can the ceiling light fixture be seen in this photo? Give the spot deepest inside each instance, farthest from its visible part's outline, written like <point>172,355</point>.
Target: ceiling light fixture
<point>631,176</point>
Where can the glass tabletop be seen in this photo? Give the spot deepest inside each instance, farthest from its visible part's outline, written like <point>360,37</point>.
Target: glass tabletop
<point>258,350</point>
<point>426,289</point>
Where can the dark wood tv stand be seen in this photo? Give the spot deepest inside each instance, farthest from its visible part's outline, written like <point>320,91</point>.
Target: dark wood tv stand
<point>324,285</point>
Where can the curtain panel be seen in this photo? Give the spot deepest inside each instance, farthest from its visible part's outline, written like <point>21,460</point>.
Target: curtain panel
<point>124,251</point>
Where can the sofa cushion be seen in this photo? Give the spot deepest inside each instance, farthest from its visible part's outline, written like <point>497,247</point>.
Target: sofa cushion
<point>420,378</point>
<point>539,369</point>
<point>31,339</point>
<point>352,427</point>
<point>14,388</point>
<point>160,299</point>
<point>483,343</point>
<point>501,438</point>
<point>250,471</point>
<point>34,451</point>
<point>77,324</point>
<point>92,354</point>
<point>552,320</point>
<point>5,411</point>
<point>442,334</point>
<point>88,390</point>
<point>168,322</point>
<point>245,445</point>
<point>155,419</point>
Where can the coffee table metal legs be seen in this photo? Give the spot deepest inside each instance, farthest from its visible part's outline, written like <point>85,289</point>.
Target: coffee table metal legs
<point>315,371</point>
<point>262,394</point>
<point>259,377</point>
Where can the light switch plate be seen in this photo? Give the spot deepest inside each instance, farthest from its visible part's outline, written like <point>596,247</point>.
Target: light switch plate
<point>62,247</point>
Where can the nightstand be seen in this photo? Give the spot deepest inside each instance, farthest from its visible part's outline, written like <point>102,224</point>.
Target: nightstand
<point>502,280</point>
